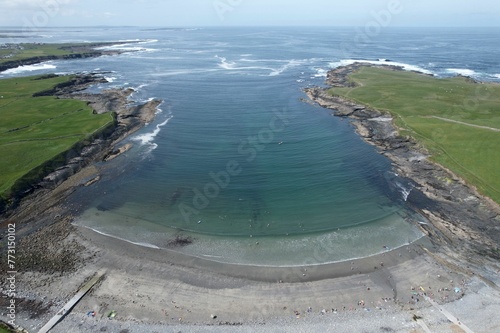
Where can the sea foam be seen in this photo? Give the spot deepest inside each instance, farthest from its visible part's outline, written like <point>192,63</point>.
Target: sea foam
<point>29,68</point>
<point>273,71</point>
<point>225,64</point>
<point>404,190</point>
<point>232,66</point>
<point>183,72</point>
<point>123,239</point>
<point>147,138</point>
<point>407,67</point>
<point>462,71</point>
<point>320,72</point>
<point>290,64</point>
<point>128,47</point>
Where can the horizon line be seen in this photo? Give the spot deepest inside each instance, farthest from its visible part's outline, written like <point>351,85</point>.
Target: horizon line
<point>246,26</point>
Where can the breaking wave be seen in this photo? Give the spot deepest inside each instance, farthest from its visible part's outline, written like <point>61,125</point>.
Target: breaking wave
<point>405,66</point>
<point>462,71</point>
<point>148,138</point>
<point>29,68</point>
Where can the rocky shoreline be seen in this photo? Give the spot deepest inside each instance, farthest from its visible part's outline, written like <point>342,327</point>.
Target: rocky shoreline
<point>76,170</point>
<point>128,119</point>
<point>150,291</point>
<point>45,239</point>
<point>45,242</point>
<point>460,217</point>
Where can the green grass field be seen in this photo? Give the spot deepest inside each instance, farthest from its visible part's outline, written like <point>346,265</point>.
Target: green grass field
<point>34,130</point>
<point>457,120</point>
<point>4,330</point>
<point>30,50</point>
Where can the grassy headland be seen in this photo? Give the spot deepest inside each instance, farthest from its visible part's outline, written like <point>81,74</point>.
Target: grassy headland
<point>14,55</point>
<point>35,130</point>
<point>30,50</point>
<point>456,119</point>
<point>5,330</point>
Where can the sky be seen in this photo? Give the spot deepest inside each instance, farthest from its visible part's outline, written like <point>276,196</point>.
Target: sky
<point>187,13</point>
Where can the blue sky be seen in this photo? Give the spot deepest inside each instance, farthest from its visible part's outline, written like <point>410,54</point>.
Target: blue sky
<point>249,12</point>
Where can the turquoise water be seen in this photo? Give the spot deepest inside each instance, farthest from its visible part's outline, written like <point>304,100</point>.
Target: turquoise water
<point>210,180</point>
<point>236,161</point>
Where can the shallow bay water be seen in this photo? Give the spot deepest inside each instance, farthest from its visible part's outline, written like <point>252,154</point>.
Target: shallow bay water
<point>236,162</point>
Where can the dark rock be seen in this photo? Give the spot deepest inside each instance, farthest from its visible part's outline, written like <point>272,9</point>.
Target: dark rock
<point>444,196</point>
<point>180,241</point>
<point>54,172</point>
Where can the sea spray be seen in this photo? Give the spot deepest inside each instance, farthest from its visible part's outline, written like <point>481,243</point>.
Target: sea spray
<point>405,66</point>
<point>462,71</point>
<point>29,68</point>
<point>147,138</point>
<point>405,190</point>
<point>399,185</point>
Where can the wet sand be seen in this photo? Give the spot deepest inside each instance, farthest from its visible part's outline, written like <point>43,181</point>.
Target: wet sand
<point>154,289</point>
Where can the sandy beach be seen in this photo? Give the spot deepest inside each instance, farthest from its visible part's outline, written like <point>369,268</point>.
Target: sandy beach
<point>154,290</point>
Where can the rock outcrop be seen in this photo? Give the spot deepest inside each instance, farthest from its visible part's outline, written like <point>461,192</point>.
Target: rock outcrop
<point>457,211</point>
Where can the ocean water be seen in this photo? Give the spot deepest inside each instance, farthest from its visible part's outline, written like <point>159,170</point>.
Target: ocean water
<point>235,160</point>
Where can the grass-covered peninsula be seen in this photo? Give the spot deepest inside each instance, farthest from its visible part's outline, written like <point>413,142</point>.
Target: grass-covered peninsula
<point>456,119</point>
<point>14,55</point>
<point>34,130</point>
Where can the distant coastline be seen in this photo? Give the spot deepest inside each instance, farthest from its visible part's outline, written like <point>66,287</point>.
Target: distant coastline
<point>23,54</point>
<point>151,289</point>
